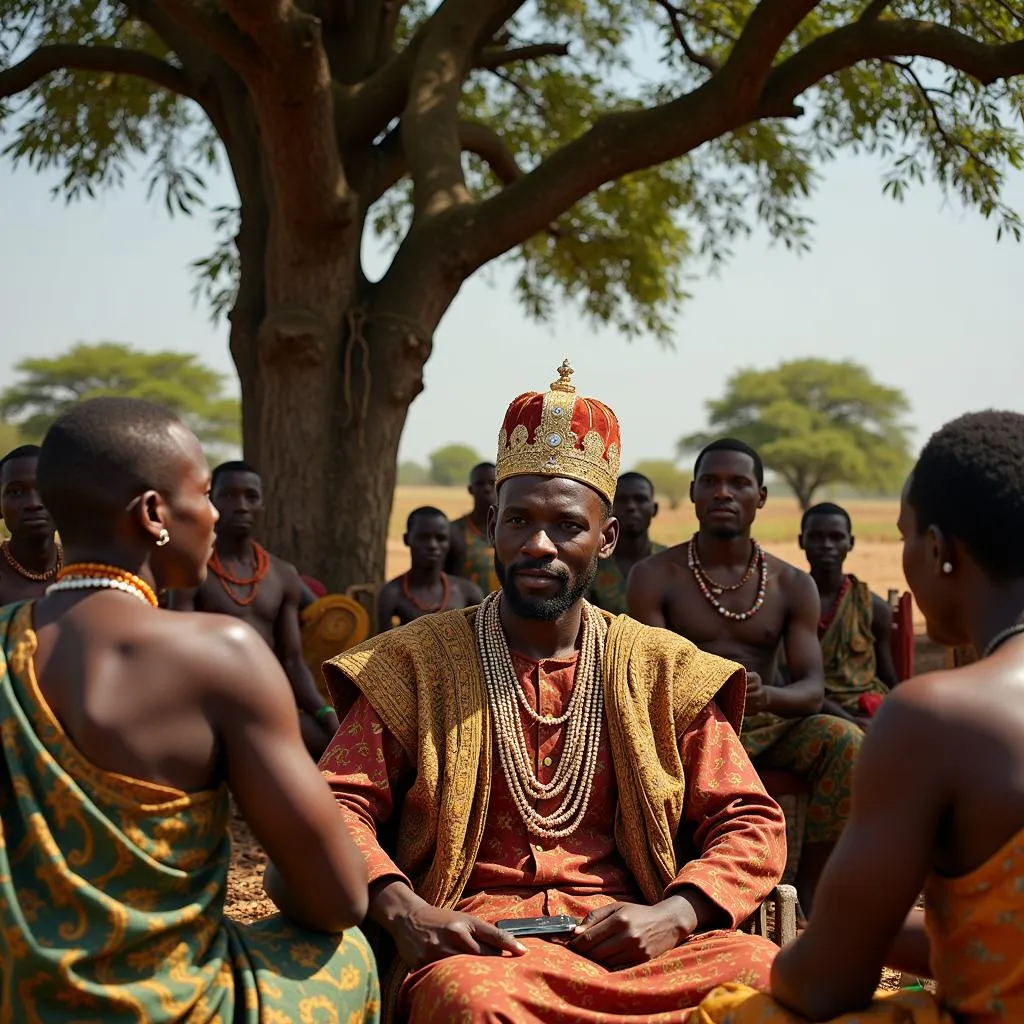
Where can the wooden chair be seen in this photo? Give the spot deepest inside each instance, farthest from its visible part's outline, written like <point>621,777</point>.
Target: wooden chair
<point>366,595</point>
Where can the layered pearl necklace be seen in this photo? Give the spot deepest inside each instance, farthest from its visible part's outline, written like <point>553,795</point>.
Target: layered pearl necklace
<point>96,576</point>
<point>711,589</point>
<point>573,779</point>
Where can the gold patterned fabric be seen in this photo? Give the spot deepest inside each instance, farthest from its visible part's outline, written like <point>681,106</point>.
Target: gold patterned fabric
<point>112,894</point>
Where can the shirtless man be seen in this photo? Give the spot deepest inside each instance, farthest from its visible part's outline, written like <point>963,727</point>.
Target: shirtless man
<point>856,625</point>
<point>125,727</point>
<point>425,588</point>
<point>470,554</point>
<point>724,593</point>
<point>252,585</point>
<point>30,559</point>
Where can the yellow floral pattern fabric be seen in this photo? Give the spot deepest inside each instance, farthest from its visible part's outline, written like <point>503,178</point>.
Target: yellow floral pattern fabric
<point>975,928</point>
<point>112,894</point>
<point>848,650</point>
<point>478,565</point>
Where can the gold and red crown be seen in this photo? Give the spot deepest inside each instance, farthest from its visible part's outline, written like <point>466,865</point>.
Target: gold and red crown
<point>560,433</point>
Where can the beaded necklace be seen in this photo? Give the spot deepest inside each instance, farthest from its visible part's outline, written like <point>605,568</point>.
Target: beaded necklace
<point>98,576</point>
<point>1000,638</point>
<point>706,584</point>
<point>28,574</point>
<point>573,778</point>
<point>445,588</point>
<point>228,582</point>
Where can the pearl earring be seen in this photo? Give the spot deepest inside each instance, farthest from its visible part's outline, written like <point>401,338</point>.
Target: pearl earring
<point>947,568</point>
<point>164,539</point>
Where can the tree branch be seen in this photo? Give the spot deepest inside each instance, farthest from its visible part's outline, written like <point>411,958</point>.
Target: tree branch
<point>874,10</point>
<point>490,59</point>
<point>289,86</point>
<point>114,60</point>
<point>986,62</point>
<point>430,123</point>
<point>674,16</point>
<point>213,29</point>
<point>768,27</point>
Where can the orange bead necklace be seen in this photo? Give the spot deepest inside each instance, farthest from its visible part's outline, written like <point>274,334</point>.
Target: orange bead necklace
<point>260,569</point>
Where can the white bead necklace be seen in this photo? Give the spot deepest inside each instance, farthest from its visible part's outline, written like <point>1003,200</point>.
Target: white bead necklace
<point>574,777</point>
<point>96,583</point>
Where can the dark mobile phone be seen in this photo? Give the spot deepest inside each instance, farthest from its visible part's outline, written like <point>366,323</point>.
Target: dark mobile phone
<point>540,927</point>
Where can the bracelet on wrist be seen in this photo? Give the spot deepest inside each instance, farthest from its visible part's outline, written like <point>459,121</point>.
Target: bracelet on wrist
<point>327,709</point>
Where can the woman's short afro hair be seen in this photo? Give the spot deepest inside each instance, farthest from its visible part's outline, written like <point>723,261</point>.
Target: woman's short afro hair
<point>969,482</point>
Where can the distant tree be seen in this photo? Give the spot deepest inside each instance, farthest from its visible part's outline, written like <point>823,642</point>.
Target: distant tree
<point>49,386</point>
<point>671,484</point>
<point>814,422</point>
<point>10,437</point>
<point>412,474</point>
<point>450,466</point>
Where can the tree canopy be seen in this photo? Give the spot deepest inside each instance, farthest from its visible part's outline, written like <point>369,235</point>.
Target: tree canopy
<point>49,386</point>
<point>607,148</point>
<point>671,484</point>
<point>450,465</point>
<point>814,422</point>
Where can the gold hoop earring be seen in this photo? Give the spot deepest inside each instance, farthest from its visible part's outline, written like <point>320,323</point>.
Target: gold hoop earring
<point>164,538</point>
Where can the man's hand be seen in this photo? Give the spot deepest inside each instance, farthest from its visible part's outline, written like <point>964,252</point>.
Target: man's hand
<point>758,697</point>
<point>623,934</point>
<point>423,933</point>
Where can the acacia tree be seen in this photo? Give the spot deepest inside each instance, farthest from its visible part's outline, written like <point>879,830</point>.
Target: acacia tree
<point>814,422</point>
<point>469,129</point>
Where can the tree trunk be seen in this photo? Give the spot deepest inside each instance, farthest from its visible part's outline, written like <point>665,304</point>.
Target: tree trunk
<point>327,388</point>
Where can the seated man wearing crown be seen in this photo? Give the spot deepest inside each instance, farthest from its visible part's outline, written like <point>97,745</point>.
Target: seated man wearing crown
<point>536,757</point>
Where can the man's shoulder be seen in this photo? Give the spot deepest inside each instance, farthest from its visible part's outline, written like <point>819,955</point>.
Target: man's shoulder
<point>792,579</point>
<point>663,559</point>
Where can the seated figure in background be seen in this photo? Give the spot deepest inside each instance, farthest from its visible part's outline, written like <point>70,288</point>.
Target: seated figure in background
<point>856,625</point>
<point>426,588</point>
<point>125,727</point>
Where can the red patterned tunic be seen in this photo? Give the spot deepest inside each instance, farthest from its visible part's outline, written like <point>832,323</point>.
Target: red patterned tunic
<point>517,874</point>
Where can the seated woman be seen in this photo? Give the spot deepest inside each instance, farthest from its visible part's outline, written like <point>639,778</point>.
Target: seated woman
<point>124,727</point>
<point>938,798</point>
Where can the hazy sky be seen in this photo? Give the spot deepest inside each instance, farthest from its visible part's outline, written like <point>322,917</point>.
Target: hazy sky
<point>921,293</point>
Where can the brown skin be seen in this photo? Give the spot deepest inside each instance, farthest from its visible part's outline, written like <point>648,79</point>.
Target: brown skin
<point>827,540</point>
<point>662,591</point>
<point>31,529</point>
<point>916,810</point>
<point>136,700</point>
<point>561,523</point>
<point>483,491</point>
<point>274,613</point>
<point>428,542</point>
<point>634,507</point>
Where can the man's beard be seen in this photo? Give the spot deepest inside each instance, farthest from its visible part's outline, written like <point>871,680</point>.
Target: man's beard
<point>544,609</point>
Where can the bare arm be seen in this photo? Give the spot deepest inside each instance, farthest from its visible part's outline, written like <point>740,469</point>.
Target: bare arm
<point>386,601</point>
<point>289,651</point>
<point>474,595</point>
<point>881,628</point>
<point>805,694</point>
<point>320,875</point>
<point>830,707</point>
<point>644,592</point>
<point>899,795</point>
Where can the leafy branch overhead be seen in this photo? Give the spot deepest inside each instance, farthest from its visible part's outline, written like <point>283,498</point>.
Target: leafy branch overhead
<point>495,128</point>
